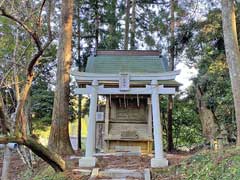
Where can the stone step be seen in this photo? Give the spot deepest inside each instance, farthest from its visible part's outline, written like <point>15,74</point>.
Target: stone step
<point>83,171</point>
<point>121,173</point>
<point>115,179</point>
<point>147,174</point>
<point>115,174</point>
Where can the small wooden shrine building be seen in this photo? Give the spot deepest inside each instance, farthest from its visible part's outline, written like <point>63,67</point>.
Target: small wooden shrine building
<point>130,83</point>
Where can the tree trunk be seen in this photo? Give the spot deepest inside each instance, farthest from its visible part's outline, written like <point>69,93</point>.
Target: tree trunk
<point>17,88</point>
<point>171,68</point>
<point>80,69</point>
<point>133,25</point>
<point>80,121</point>
<point>96,24</point>
<point>209,127</point>
<point>170,124</point>
<point>59,140</point>
<point>126,36</point>
<point>25,154</point>
<point>5,125</point>
<point>113,43</point>
<point>233,55</point>
<point>20,117</point>
<point>27,112</point>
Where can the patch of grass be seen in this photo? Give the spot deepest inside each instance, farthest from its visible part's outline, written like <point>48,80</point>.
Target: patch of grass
<point>206,165</point>
<point>44,132</point>
<point>49,174</point>
<point>44,173</point>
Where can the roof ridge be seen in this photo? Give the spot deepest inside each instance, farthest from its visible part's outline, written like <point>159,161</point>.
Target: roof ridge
<point>128,52</point>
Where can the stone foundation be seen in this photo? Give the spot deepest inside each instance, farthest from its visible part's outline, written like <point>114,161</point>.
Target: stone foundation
<point>156,163</point>
<point>87,162</point>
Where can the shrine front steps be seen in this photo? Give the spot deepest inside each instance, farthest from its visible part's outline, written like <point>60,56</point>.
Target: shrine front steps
<point>115,174</point>
<point>120,174</point>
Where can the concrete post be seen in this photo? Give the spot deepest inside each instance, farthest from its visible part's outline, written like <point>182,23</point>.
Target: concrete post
<point>158,160</point>
<point>6,163</point>
<point>89,160</point>
<point>90,142</point>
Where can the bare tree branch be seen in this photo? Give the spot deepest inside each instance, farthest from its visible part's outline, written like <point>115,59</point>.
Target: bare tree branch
<point>28,84</point>
<point>49,19</point>
<point>12,67</point>
<point>36,57</point>
<point>40,13</point>
<point>24,26</point>
<point>20,121</point>
<point>4,85</point>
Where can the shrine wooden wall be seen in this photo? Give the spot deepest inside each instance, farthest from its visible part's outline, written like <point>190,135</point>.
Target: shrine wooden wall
<point>128,125</point>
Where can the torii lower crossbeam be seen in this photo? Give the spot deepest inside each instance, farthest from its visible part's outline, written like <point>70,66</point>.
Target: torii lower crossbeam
<point>103,91</point>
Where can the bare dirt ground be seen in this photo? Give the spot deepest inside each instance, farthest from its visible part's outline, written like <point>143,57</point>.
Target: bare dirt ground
<point>137,162</point>
<point>16,166</point>
<point>125,162</point>
<point>177,157</point>
<point>104,162</point>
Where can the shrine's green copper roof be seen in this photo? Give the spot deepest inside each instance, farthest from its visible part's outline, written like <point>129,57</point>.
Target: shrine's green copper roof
<point>116,64</point>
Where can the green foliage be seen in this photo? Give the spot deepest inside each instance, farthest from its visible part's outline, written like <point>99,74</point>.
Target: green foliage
<point>110,37</point>
<point>149,41</point>
<point>186,124</point>
<point>16,50</point>
<point>73,106</point>
<point>206,165</point>
<point>45,173</point>
<point>205,49</point>
<point>212,166</point>
<point>50,174</point>
<point>42,103</point>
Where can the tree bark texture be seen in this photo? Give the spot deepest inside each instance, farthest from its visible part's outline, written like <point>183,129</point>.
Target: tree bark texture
<point>59,140</point>
<point>133,26</point>
<point>233,55</point>
<point>171,68</point>
<point>209,127</point>
<point>4,123</point>
<point>79,121</point>
<point>126,33</point>
<point>170,124</point>
<point>80,69</point>
<point>96,24</point>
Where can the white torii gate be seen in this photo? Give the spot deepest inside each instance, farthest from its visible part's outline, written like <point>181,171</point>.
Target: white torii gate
<point>154,90</point>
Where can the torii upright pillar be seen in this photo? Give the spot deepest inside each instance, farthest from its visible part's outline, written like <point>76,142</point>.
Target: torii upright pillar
<point>89,160</point>
<point>158,160</point>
